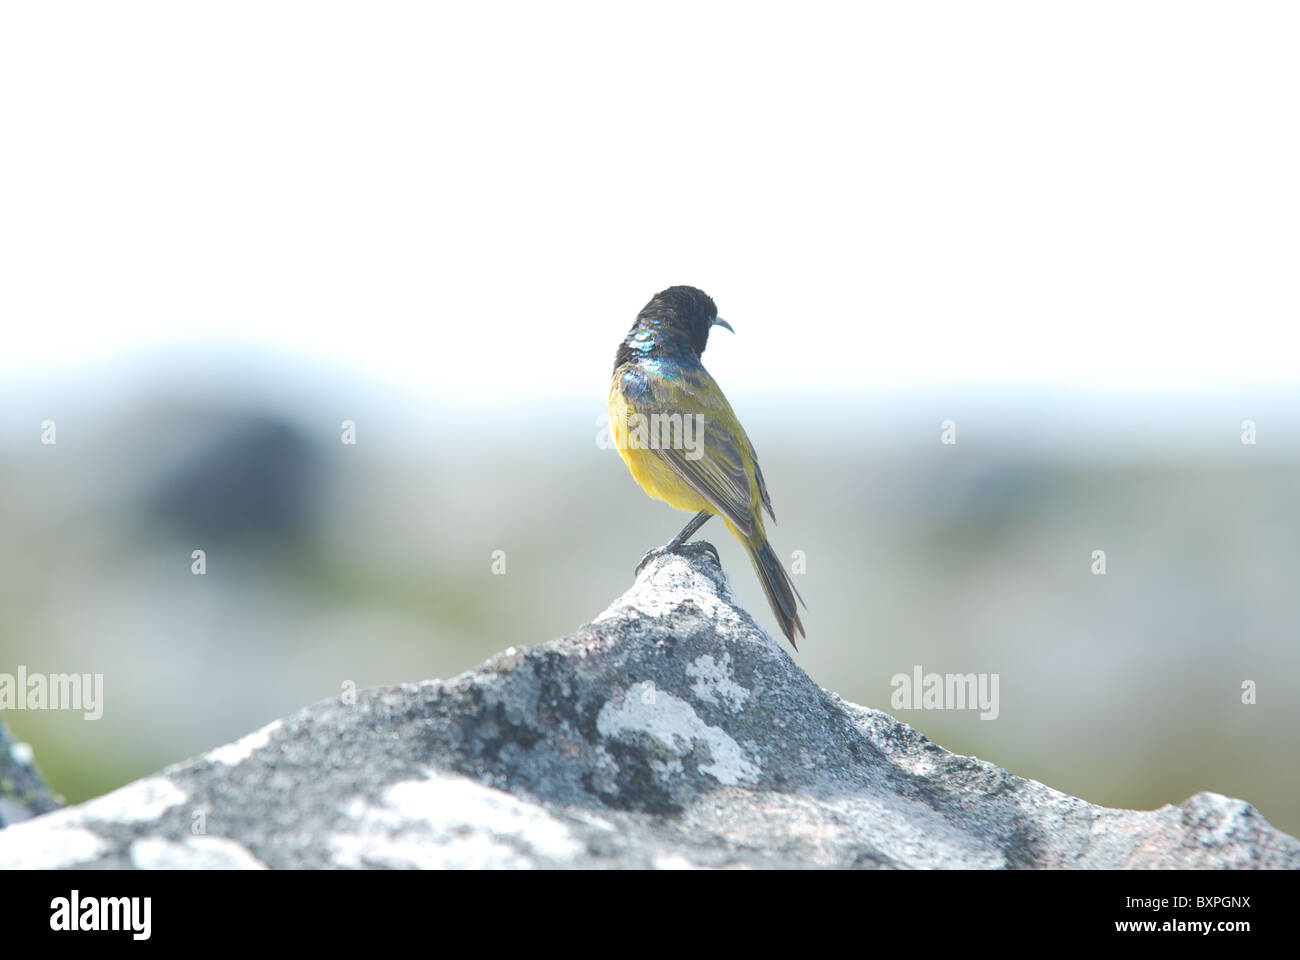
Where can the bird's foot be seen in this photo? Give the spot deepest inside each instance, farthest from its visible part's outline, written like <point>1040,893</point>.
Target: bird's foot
<point>695,546</point>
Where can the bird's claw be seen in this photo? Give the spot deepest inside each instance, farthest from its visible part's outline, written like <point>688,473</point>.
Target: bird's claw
<point>705,546</point>
<point>692,547</point>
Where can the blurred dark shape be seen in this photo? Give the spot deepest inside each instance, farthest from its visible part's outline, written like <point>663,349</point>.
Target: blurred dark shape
<point>23,791</point>
<point>252,477</point>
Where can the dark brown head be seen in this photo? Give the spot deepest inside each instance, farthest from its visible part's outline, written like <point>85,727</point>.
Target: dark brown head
<point>676,321</point>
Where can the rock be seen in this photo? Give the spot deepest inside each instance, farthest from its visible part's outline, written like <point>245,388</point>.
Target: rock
<point>23,792</point>
<point>669,732</point>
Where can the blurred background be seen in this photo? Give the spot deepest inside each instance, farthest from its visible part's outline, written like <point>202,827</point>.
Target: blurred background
<point>1069,230</point>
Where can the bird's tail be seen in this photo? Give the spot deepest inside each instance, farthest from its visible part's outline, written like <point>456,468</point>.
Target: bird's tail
<point>781,593</point>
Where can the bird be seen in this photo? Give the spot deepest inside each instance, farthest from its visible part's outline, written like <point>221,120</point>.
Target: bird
<point>683,444</point>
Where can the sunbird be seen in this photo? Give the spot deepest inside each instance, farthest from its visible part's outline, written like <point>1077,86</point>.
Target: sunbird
<point>683,444</point>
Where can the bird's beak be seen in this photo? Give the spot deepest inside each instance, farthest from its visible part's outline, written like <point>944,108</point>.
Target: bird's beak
<point>719,322</point>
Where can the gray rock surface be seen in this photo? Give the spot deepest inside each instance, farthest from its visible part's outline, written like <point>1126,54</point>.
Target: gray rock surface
<point>669,732</point>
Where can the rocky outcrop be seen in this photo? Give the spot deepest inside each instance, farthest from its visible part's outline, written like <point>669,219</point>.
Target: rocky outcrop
<point>671,731</point>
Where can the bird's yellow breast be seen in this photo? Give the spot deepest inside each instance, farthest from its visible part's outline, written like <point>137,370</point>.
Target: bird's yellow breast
<point>649,470</point>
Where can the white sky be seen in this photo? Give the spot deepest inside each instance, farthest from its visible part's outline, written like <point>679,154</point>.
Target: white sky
<point>474,200</point>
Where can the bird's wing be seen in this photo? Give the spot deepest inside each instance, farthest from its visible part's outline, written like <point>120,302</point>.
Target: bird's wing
<point>713,463</point>
<point>762,486</point>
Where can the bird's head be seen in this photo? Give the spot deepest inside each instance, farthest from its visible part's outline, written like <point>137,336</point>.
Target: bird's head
<point>685,311</point>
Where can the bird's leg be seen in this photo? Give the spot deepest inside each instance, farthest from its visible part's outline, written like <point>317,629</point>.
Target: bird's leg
<point>677,543</point>
<point>688,531</point>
